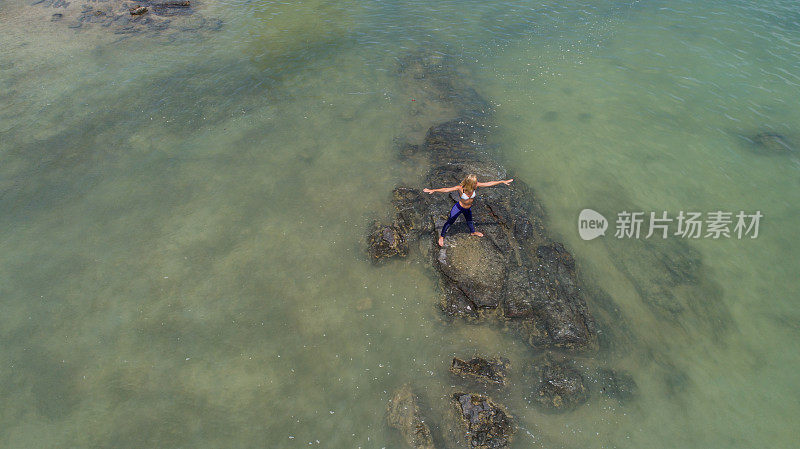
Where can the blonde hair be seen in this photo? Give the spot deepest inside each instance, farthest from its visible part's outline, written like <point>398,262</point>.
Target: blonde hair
<point>470,183</point>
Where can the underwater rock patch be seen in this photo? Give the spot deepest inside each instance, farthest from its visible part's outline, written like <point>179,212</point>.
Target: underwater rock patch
<point>670,277</point>
<point>121,17</point>
<point>483,370</point>
<point>403,414</point>
<point>561,387</point>
<point>768,142</point>
<point>617,385</point>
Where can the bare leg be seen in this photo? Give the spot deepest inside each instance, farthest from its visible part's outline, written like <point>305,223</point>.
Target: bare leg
<point>441,241</point>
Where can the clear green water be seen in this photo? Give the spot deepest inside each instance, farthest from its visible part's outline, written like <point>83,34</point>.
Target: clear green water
<point>181,256</point>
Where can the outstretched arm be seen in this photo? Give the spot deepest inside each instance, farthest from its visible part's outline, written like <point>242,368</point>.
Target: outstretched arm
<point>494,183</point>
<point>442,190</point>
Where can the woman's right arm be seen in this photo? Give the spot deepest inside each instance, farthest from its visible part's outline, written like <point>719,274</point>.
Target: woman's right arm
<point>442,190</point>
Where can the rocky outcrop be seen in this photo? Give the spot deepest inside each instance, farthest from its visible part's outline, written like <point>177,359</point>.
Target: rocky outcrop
<point>516,272</point>
<point>561,387</point>
<point>404,415</point>
<point>489,371</point>
<point>484,423</point>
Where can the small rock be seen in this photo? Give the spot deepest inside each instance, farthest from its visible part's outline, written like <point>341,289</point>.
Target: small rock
<point>386,241</point>
<point>138,10</point>
<point>403,414</point>
<point>483,370</point>
<point>486,424</point>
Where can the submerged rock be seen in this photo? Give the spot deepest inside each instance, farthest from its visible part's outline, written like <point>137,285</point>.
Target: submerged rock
<point>483,370</point>
<point>403,414</point>
<point>771,142</point>
<point>670,276</point>
<point>171,7</point>
<point>485,424</point>
<point>561,387</point>
<point>387,241</point>
<point>558,305</point>
<point>617,385</point>
<point>432,73</point>
<point>410,206</point>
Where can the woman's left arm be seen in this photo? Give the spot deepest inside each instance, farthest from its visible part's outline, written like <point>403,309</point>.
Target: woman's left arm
<point>494,183</point>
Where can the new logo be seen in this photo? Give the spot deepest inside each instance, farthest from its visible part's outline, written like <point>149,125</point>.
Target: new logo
<point>591,224</point>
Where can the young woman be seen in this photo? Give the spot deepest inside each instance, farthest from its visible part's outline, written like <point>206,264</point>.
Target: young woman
<point>466,192</point>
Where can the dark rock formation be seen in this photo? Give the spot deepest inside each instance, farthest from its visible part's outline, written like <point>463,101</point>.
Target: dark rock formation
<point>561,387</point>
<point>410,205</point>
<point>403,414</point>
<point>485,423</point>
<point>387,241</point>
<point>138,10</point>
<point>492,371</point>
<point>515,272</point>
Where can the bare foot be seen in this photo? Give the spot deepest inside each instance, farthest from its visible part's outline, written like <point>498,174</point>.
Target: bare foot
<point>477,234</point>
<point>441,241</point>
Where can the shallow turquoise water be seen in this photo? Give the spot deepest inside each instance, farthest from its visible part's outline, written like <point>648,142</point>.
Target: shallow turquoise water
<point>181,263</point>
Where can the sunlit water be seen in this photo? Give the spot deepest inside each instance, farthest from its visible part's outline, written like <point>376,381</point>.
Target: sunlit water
<point>182,250</point>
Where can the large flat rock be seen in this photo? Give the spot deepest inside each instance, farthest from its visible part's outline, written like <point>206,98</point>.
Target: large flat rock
<point>474,266</point>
